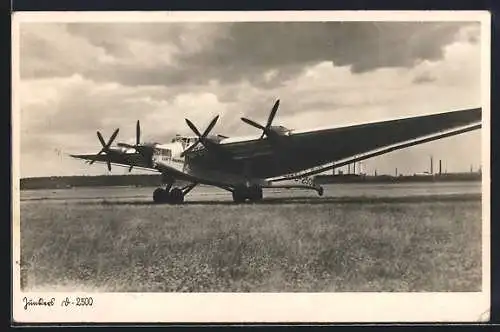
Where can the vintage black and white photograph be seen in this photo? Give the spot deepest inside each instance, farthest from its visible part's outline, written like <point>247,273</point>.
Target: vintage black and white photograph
<point>252,154</point>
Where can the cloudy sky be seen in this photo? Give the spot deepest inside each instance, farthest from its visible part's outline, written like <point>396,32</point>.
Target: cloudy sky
<point>77,78</point>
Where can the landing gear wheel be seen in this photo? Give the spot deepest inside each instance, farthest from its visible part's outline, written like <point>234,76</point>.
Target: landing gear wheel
<point>160,195</point>
<point>238,196</point>
<point>320,191</point>
<point>176,196</point>
<point>255,193</point>
<point>259,194</point>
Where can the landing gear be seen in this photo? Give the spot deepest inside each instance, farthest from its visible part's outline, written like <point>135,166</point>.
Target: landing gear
<point>242,193</point>
<point>320,191</point>
<point>173,196</point>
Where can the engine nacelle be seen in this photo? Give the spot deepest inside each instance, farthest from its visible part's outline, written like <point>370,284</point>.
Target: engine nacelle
<point>280,130</point>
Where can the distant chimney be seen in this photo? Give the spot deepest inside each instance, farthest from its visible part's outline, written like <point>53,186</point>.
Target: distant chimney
<point>432,166</point>
<point>354,168</point>
<point>349,169</point>
<point>396,172</point>
<point>439,166</point>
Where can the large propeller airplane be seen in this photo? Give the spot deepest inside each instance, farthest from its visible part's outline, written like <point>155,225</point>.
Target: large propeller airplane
<point>244,166</point>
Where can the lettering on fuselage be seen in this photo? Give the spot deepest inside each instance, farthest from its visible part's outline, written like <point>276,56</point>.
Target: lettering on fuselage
<point>166,155</point>
<point>307,181</point>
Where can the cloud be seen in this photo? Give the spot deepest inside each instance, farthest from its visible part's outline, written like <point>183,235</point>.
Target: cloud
<point>264,53</point>
<point>422,78</point>
<point>49,50</point>
<point>131,54</point>
<point>248,49</point>
<point>55,112</point>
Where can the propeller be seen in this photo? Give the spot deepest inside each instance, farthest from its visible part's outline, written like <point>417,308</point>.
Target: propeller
<point>202,138</point>
<point>137,142</point>
<point>137,138</point>
<point>105,146</point>
<point>266,130</point>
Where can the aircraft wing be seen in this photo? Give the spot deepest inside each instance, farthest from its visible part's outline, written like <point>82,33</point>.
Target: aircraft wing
<point>303,150</point>
<point>119,159</point>
<point>134,159</point>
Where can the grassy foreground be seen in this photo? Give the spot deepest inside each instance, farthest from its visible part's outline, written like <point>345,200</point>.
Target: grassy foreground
<point>428,246</point>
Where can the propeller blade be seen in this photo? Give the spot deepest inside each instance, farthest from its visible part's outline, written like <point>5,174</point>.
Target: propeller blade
<point>210,126</point>
<point>109,165</point>
<point>266,129</point>
<point>138,133</point>
<point>101,139</point>
<point>93,160</point>
<point>253,123</point>
<point>273,113</point>
<point>189,149</point>
<point>98,154</point>
<point>112,138</point>
<point>130,168</point>
<point>193,128</point>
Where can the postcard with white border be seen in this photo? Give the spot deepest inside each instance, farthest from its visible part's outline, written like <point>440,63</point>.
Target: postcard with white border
<point>260,167</point>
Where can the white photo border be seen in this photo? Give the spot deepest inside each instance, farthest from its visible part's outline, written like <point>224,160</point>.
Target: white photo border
<point>257,307</point>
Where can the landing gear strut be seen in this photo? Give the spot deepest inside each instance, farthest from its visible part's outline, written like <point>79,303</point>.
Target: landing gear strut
<point>242,193</point>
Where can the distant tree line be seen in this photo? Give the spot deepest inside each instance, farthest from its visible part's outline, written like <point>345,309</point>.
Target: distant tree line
<point>59,182</point>
<point>154,180</point>
<point>354,178</point>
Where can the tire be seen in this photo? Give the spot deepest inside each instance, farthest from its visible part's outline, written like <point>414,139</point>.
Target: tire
<point>238,195</point>
<point>242,193</point>
<point>320,191</point>
<point>255,193</point>
<point>159,195</point>
<point>259,194</point>
<point>176,196</point>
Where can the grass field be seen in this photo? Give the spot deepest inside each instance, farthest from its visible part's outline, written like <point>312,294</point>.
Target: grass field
<point>401,246</point>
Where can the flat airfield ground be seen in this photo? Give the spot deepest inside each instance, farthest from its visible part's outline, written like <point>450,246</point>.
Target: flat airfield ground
<point>398,237</point>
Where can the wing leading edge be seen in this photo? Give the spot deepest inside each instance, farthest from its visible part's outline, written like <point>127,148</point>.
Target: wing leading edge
<point>119,159</point>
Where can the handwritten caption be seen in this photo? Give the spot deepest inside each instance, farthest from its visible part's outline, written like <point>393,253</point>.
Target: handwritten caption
<point>30,303</point>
